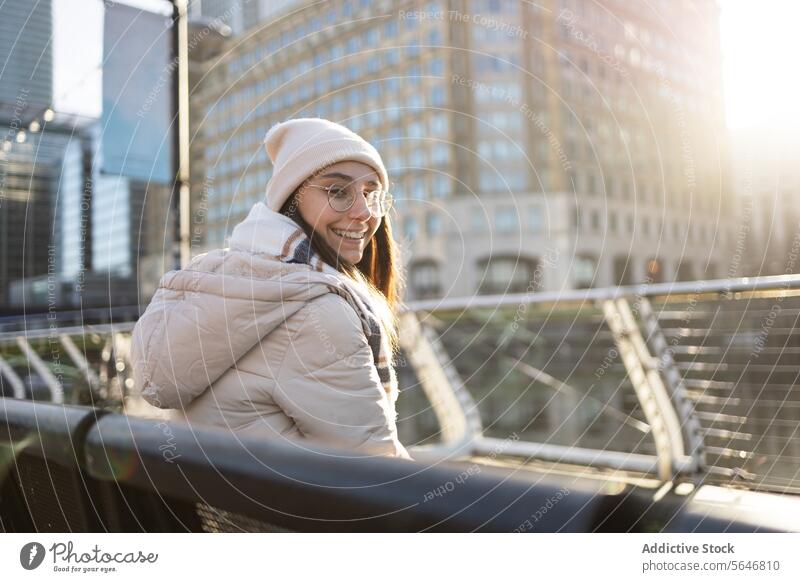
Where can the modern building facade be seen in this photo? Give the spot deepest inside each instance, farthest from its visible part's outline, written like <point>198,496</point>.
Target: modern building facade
<point>239,15</point>
<point>28,163</point>
<point>541,146</point>
<point>29,174</point>
<point>133,228</point>
<point>767,187</point>
<point>85,203</point>
<point>26,30</point>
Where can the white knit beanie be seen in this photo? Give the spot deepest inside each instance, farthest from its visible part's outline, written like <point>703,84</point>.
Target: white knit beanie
<point>301,147</point>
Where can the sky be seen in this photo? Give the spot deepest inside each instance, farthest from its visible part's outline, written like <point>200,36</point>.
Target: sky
<point>760,46</point>
<point>77,58</point>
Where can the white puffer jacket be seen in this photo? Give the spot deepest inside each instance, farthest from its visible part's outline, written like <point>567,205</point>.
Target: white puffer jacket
<point>242,341</point>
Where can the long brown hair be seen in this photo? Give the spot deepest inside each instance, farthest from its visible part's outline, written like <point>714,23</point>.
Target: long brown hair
<point>379,268</point>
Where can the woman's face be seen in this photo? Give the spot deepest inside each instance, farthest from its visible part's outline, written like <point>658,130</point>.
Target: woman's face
<point>312,203</point>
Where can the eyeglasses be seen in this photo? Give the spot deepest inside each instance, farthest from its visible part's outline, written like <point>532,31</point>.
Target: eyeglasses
<point>342,199</point>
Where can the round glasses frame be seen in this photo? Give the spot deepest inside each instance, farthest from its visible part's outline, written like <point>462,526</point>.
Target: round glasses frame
<point>379,202</point>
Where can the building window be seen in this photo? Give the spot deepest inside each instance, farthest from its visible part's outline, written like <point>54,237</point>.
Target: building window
<point>433,224</point>
<point>623,270</point>
<point>410,228</point>
<point>437,97</point>
<point>418,189</point>
<point>583,271</point>
<point>373,65</point>
<point>436,67</point>
<point>490,182</point>
<point>438,124</point>
<point>479,220</point>
<point>441,186</point>
<point>685,271</point>
<point>535,221</point>
<point>391,58</point>
<point>508,274</point>
<point>440,154</point>
<point>595,221</point>
<point>612,222</point>
<point>506,217</point>
<point>425,281</point>
<point>412,50</point>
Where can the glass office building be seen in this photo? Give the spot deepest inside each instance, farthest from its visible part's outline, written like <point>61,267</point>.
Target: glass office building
<point>528,148</point>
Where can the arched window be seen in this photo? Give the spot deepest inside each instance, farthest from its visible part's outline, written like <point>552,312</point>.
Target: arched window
<point>685,271</point>
<point>508,274</point>
<point>424,279</point>
<point>584,269</point>
<point>623,270</point>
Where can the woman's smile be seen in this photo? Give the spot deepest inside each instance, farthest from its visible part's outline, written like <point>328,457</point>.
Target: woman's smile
<point>350,236</point>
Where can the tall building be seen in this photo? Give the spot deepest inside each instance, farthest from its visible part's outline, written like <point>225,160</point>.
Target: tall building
<point>26,74</point>
<point>767,186</point>
<point>239,15</point>
<point>72,224</point>
<point>133,230</point>
<point>85,203</point>
<point>29,174</point>
<point>541,146</point>
<point>28,162</point>
<point>51,214</point>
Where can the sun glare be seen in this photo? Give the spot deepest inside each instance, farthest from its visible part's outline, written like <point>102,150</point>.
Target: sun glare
<point>761,46</point>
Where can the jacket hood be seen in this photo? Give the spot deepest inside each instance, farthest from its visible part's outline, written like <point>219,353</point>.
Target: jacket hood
<point>205,317</point>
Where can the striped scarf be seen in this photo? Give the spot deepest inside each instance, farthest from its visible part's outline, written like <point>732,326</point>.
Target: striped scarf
<point>297,249</point>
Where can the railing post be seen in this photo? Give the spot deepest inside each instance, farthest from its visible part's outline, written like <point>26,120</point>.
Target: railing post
<point>675,385</point>
<point>648,386</point>
<point>76,356</point>
<point>8,372</point>
<point>56,390</point>
<point>453,406</point>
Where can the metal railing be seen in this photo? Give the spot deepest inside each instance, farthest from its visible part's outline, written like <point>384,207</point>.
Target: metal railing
<point>79,469</point>
<point>693,380</point>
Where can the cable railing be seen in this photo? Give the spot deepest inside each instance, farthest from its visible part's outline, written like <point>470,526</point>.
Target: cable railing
<point>693,380</point>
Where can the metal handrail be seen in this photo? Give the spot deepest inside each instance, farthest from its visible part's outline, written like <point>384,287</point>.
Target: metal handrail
<point>466,434</point>
<point>668,443</point>
<point>266,485</point>
<point>10,337</point>
<point>700,287</point>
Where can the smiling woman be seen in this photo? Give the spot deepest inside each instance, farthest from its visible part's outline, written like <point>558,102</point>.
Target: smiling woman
<point>290,332</point>
<point>348,220</point>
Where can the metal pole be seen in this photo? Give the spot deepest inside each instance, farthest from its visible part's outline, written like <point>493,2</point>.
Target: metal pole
<point>180,95</point>
<point>56,390</point>
<point>17,386</point>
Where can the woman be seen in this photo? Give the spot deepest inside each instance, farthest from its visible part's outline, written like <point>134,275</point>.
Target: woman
<point>290,332</point>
